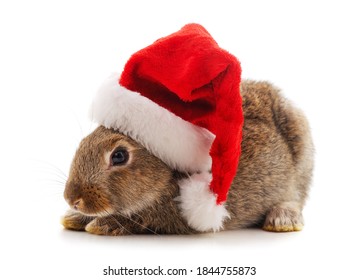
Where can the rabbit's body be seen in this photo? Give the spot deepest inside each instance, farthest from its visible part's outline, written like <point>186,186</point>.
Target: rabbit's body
<point>269,189</point>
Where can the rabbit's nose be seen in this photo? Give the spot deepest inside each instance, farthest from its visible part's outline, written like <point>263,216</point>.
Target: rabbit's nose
<point>77,203</point>
<point>72,194</point>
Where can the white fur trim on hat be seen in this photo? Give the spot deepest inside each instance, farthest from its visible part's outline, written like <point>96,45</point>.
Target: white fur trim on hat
<point>198,203</point>
<point>180,144</point>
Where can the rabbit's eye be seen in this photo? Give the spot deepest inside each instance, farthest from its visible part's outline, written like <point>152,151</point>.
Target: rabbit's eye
<point>119,157</point>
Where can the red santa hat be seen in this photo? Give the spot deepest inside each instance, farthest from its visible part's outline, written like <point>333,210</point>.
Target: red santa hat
<point>179,97</point>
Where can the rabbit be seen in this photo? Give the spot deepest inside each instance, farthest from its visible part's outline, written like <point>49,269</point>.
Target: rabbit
<point>138,193</point>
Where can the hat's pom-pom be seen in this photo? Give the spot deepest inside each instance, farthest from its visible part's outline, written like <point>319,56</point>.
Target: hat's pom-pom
<point>198,203</point>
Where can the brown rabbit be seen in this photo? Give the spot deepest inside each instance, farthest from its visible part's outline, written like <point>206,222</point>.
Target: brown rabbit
<point>138,193</point>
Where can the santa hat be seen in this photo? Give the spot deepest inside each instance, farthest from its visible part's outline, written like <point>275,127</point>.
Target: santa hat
<point>179,97</point>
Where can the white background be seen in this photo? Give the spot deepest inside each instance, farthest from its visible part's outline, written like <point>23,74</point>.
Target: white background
<point>55,54</point>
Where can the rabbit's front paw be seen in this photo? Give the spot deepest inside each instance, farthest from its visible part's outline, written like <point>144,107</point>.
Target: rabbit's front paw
<point>107,226</point>
<point>75,221</point>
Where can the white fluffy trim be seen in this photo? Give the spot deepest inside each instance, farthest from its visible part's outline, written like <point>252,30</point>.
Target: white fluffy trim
<point>198,203</point>
<point>178,143</point>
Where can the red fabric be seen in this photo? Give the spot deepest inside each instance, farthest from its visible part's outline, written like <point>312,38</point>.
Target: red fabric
<point>190,75</point>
